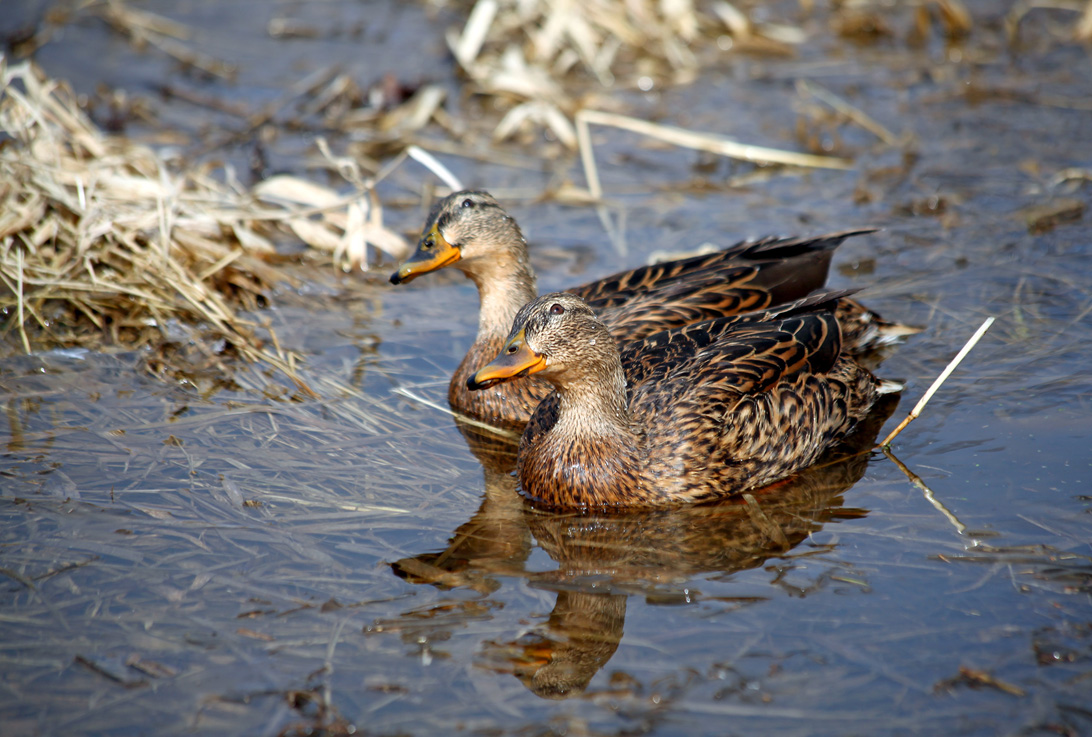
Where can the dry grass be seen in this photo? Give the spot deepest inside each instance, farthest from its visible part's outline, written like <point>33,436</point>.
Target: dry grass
<point>530,52</point>
<point>103,237</point>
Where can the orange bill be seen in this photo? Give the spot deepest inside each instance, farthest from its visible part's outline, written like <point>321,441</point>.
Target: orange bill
<point>433,252</point>
<point>515,359</point>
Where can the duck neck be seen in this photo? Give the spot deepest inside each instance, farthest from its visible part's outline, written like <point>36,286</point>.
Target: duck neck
<point>505,283</point>
<point>591,456</point>
<point>594,406</point>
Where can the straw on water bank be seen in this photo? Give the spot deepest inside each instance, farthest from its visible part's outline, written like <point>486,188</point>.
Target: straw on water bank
<point>102,239</point>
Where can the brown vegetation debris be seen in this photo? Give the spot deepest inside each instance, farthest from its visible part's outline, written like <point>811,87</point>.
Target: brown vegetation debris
<point>976,678</point>
<point>1042,218</point>
<point>862,26</point>
<point>523,50</point>
<point>1082,24</point>
<point>102,240</point>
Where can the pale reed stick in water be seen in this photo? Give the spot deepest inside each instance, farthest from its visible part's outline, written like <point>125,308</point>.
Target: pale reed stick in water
<point>940,380</point>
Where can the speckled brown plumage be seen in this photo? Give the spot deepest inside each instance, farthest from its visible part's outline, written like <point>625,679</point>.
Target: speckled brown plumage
<point>701,411</point>
<point>472,232</point>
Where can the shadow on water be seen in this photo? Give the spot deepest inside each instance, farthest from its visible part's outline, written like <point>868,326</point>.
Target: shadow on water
<point>604,559</point>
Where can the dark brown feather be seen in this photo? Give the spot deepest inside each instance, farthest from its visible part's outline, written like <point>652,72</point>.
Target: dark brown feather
<point>633,304</point>
<point>701,411</point>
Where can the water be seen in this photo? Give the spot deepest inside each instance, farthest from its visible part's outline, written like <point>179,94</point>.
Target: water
<point>191,558</point>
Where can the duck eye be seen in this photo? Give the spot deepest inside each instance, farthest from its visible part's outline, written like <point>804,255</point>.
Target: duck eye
<point>468,202</point>
<point>556,309</point>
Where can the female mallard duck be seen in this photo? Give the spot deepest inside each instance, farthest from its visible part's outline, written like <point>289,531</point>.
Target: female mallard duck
<point>705,410</point>
<point>470,231</point>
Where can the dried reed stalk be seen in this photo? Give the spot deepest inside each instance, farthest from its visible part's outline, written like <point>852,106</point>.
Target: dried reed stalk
<point>886,442</point>
<point>930,497</point>
<point>843,107</point>
<point>1082,28</point>
<point>101,239</point>
<point>524,49</point>
<point>687,139</point>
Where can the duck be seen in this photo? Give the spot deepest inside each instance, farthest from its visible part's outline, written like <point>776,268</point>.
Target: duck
<point>698,412</point>
<point>469,230</point>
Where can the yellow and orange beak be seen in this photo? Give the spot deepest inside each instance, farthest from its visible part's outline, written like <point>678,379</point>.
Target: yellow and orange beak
<point>433,252</point>
<point>515,359</point>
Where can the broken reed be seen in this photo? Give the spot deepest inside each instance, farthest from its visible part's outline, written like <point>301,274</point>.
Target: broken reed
<point>102,240</point>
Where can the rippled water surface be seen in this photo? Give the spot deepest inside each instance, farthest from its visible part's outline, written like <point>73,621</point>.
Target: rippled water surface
<point>200,558</point>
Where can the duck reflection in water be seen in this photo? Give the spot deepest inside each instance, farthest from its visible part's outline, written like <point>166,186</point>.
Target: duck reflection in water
<point>605,558</point>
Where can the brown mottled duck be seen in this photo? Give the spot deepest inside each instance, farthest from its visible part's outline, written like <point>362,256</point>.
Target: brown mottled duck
<point>702,411</point>
<point>472,232</point>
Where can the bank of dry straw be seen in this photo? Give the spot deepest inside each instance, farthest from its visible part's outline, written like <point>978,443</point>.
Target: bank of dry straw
<point>102,238</point>
<point>525,50</point>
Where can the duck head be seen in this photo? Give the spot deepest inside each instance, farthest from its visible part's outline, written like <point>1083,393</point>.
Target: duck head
<point>463,228</point>
<point>556,334</point>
